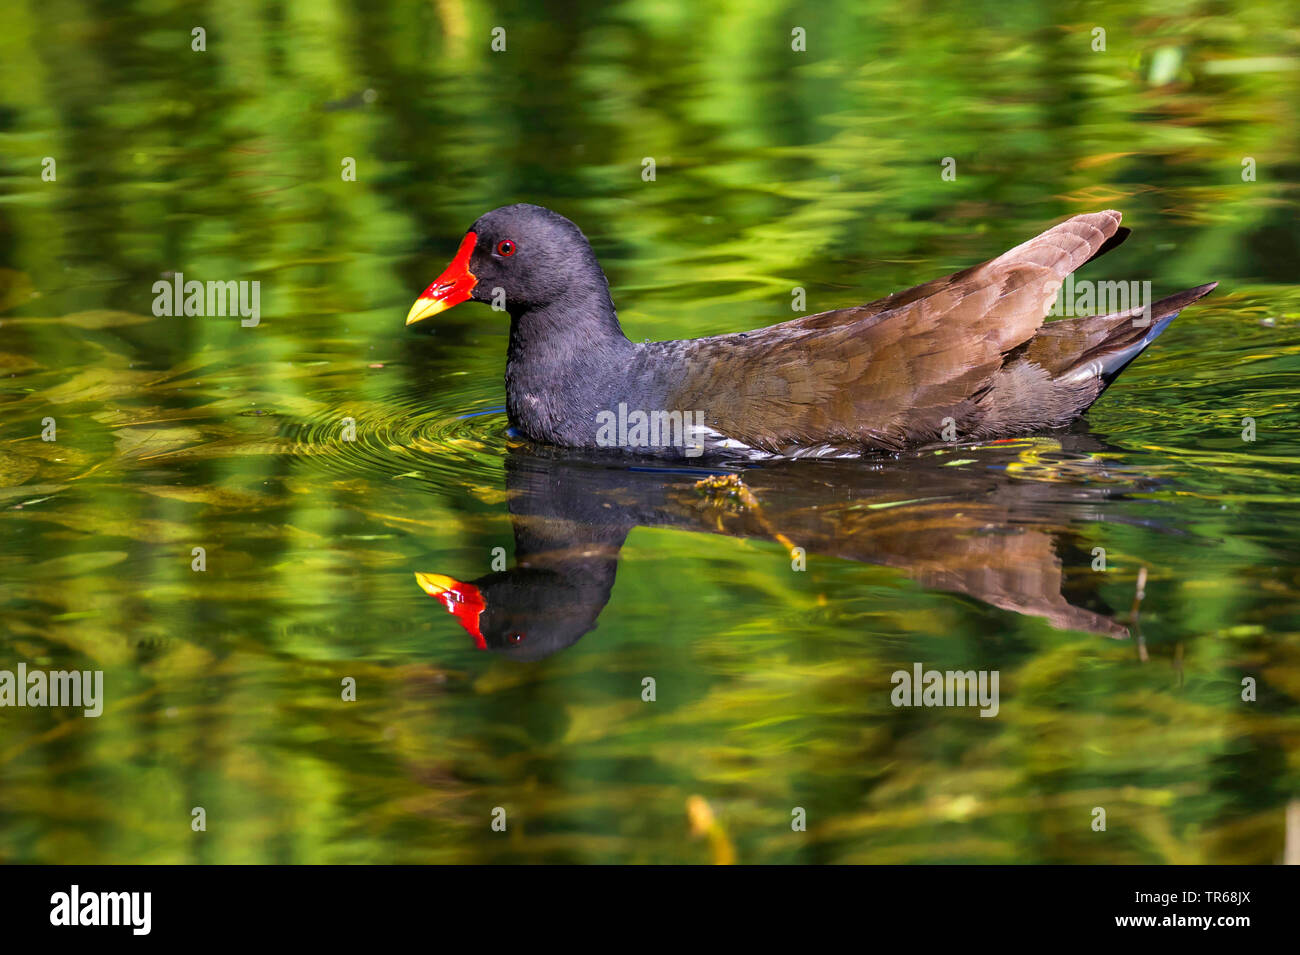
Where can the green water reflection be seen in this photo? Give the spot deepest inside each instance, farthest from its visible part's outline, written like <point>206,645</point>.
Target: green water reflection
<point>774,169</point>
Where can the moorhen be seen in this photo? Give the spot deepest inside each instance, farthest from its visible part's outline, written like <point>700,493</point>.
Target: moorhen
<point>962,357</point>
<point>981,528</point>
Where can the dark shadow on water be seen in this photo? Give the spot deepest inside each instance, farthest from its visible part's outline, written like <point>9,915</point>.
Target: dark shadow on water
<point>999,522</point>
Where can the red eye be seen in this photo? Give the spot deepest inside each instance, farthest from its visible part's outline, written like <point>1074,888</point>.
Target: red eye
<point>505,247</point>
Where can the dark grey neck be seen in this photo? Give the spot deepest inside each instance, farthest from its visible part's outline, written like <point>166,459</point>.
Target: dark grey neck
<point>567,361</point>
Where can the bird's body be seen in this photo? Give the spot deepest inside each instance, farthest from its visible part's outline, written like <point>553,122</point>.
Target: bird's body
<point>966,356</point>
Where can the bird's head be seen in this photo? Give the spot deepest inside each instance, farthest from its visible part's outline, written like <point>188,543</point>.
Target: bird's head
<point>523,613</point>
<point>517,257</point>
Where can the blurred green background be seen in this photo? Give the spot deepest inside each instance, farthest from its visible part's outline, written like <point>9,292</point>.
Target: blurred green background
<point>775,169</point>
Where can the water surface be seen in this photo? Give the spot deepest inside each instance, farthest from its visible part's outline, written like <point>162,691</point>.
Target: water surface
<point>774,170</point>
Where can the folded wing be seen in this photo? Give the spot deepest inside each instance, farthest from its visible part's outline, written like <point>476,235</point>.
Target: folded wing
<point>886,374</point>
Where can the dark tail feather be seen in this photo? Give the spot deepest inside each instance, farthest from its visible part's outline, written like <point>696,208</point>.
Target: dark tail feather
<point>1055,376</point>
<point>1104,345</point>
<point>1113,362</point>
<point>1122,233</point>
<point>1121,348</point>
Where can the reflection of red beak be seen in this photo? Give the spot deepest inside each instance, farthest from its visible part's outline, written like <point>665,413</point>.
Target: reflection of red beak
<point>450,288</point>
<point>463,601</point>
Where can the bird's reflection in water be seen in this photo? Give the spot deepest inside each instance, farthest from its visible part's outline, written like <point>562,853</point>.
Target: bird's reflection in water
<point>997,521</point>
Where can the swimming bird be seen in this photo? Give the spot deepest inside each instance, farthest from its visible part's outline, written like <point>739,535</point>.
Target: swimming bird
<point>962,357</point>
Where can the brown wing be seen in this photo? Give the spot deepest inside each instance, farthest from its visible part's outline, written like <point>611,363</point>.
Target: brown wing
<point>885,374</point>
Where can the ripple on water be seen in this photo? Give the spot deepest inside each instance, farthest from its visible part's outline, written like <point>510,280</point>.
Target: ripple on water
<point>406,437</point>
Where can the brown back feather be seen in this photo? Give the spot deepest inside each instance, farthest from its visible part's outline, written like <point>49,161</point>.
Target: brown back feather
<point>886,374</point>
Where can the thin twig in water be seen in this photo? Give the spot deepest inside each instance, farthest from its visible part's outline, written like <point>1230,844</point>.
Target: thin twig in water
<point>1139,592</point>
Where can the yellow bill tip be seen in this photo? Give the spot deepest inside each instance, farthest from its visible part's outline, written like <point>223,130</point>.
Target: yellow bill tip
<point>435,584</point>
<point>424,308</point>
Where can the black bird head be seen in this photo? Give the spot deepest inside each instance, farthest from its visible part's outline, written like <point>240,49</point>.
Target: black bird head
<point>525,613</point>
<point>522,256</point>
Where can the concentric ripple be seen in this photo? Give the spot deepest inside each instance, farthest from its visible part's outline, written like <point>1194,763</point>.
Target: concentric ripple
<point>406,436</point>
